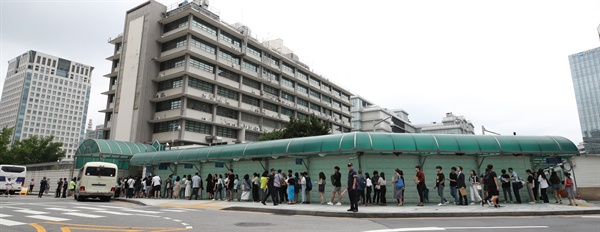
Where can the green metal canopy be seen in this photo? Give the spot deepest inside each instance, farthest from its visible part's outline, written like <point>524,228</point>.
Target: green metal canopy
<point>118,152</point>
<point>370,143</point>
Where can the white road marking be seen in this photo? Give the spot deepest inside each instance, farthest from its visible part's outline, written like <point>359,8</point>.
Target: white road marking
<point>140,211</point>
<point>6,222</point>
<point>28,211</point>
<point>5,215</point>
<point>177,220</point>
<point>48,218</point>
<point>90,208</point>
<point>63,209</point>
<point>146,215</point>
<point>174,210</point>
<point>409,229</point>
<point>496,227</point>
<point>185,224</point>
<point>112,207</point>
<point>590,216</point>
<point>189,227</point>
<point>84,215</point>
<point>115,213</point>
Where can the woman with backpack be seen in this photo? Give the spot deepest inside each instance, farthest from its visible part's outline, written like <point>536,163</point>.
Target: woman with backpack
<point>176,188</point>
<point>555,181</point>
<point>398,186</point>
<point>568,182</point>
<point>321,184</point>
<point>246,188</point>
<point>543,185</point>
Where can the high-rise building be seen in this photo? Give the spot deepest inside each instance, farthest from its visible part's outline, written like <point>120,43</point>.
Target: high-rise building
<point>368,117</point>
<point>97,133</point>
<point>45,95</point>
<point>182,75</point>
<point>451,124</point>
<point>585,71</point>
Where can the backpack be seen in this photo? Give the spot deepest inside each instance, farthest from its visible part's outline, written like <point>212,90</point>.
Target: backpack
<point>308,184</point>
<point>331,178</point>
<point>362,182</point>
<point>399,183</point>
<point>375,180</point>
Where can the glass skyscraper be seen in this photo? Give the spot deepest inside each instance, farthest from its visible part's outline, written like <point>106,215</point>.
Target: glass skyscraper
<point>585,71</point>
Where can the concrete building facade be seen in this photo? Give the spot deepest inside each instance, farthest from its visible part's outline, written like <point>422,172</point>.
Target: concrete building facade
<point>181,75</point>
<point>451,124</point>
<point>585,72</point>
<point>45,95</point>
<point>367,117</point>
<point>94,133</point>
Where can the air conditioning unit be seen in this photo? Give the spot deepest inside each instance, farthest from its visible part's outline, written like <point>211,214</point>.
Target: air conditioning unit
<point>256,110</point>
<point>163,94</point>
<point>157,117</point>
<point>157,95</point>
<point>204,95</point>
<point>161,74</point>
<point>227,102</point>
<point>204,119</point>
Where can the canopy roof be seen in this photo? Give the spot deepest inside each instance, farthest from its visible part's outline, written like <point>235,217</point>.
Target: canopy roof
<point>370,143</point>
<point>111,149</point>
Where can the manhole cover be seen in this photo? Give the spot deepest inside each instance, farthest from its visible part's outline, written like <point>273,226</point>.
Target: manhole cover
<point>252,224</point>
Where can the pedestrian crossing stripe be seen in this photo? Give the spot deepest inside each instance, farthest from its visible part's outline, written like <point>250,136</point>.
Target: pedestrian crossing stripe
<point>84,215</point>
<point>48,218</point>
<point>7,222</point>
<point>115,213</point>
<point>28,211</point>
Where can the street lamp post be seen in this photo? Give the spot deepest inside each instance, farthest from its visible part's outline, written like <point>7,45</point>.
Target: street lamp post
<point>173,138</point>
<point>380,121</point>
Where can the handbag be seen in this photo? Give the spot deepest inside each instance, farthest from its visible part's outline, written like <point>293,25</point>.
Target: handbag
<point>416,180</point>
<point>563,192</point>
<point>463,191</point>
<point>478,186</point>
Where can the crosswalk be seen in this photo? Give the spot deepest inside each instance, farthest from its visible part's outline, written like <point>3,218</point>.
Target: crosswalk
<point>26,213</point>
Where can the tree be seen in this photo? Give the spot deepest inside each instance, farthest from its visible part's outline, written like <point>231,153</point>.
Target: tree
<point>297,128</point>
<point>5,135</point>
<point>36,150</point>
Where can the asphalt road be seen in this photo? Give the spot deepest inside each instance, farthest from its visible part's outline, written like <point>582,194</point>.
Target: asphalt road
<point>50,214</point>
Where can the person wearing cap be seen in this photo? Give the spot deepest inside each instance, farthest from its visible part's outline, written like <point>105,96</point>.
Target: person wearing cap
<point>271,189</point>
<point>352,188</point>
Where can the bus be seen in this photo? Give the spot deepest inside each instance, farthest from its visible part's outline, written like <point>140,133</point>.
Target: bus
<point>96,180</point>
<point>17,175</point>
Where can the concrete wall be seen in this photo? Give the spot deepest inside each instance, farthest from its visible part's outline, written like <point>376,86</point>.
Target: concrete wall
<point>587,176</point>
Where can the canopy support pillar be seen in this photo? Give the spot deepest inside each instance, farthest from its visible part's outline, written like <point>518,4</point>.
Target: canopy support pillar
<point>305,163</point>
<point>479,161</point>
<point>262,165</point>
<point>422,161</point>
<point>198,169</point>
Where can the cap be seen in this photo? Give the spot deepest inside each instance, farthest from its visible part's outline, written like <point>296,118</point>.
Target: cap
<point>350,165</point>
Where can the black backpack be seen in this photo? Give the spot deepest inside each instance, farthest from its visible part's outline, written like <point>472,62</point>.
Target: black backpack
<point>375,180</point>
<point>308,184</point>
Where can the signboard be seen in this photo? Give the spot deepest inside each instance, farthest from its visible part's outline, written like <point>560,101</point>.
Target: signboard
<point>219,164</point>
<point>298,161</point>
<point>554,160</point>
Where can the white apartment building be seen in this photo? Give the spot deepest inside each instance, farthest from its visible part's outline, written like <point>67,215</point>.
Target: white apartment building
<point>451,124</point>
<point>45,95</point>
<point>368,117</point>
<point>182,75</point>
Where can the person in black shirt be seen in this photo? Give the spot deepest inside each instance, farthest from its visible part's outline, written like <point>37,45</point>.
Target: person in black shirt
<point>440,183</point>
<point>43,185</point>
<point>453,189</point>
<point>352,188</point>
<point>491,183</point>
<point>271,188</point>
<point>530,186</point>
<point>506,186</point>
<point>377,187</point>
<point>337,186</point>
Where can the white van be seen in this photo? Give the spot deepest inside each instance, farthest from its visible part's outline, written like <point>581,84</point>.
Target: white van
<point>96,179</point>
<point>17,175</point>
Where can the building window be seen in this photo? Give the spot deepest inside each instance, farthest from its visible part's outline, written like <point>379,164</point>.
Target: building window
<point>287,82</point>
<point>179,42</point>
<point>270,123</point>
<point>326,99</point>
<point>200,84</point>
<point>182,22</point>
<point>226,132</point>
<point>335,92</point>
<point>229,57</point>
<point>226,112</point>
<point>315,107</point>
<point>250,100</point>
<point>314,93</point>
<point>270,75</point>
<point>199,23</point>
<point>200,64</point>
<point>287,96</point>
<point>326,87</point>
<point>314,81</point>
<point>224,36</point>
<point>228,93</point>
<point>326,111</point>
<point>198,127</point>
<point>229,74</point>
<point>345,119</point>
<point>165,126</point>
<point>251,83</point>
<point>302,102</point>
<point>168,105</point>
<point>286,111</point>
<point>301,88</point>
<point>287,67</point>
<point>250,118</point>
<point>346,96</point>
<point>252,50</point>
<point>271,90</point>
<point>200,106</point>
<point>301,75</point>
<point>270,59</point>
<point>173,63</point>
<point>336,115</point>
<point>337,104</point>
<point>301,116</point>
<point>250,66</point>
<point>270,106</point>
<point>203,45</point>
<point>170,84</point>
<point>252,136</point>
<point>345,108</point>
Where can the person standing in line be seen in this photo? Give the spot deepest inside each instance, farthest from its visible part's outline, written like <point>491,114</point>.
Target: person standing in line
<point>351,187</point>
<point>298,187</point>
<point>195,186</point>
<point>156,186</point>
<point>118,187</point>
<point>377,188</point>
<point>31,185</point>
<point>255,187</point>
<point>505,179</point>
<point>555,181</point>
<point>72,185</point>
<point>369,188</point>
<point>236,186</point>
<point>543,186</point>
<point>360,188</point>
<point>230,184</point>
<point>453,190</point>
<point>336,180</point>
<point>176,188</point>
<point>462,187</point>
<point>43,184</point>
<point>246,188</point>
<point>271,189</point>
<point>65,186</point>
<point>291,183</point>
<point>137,187</point>
<point>59,184</point>
<point>570,189</point>
<point>440,184</point>
<point>210,186</point>
<point>263,184</point>
<point>9,187</point>
<point>188,187</point>
<point>515,180</point>
<point>491,182</point>
<point>309,186</point>
<point>475,187</point>
<point>398,187</point>
<point>536,190</point>
<point>303,187</point>
<point>420,181</point>
<point>277,183</point>
<point>530,186</point>
<point>382,189</point>
<point>219,188</point>
<point>130,187</point>
<point>169,187</point>
<point>47,186</point>
<point>321,185</point>
<point>182,185</point>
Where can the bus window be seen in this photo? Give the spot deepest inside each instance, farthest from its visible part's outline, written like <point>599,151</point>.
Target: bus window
<point>100,171</point>
<point>13,169</point>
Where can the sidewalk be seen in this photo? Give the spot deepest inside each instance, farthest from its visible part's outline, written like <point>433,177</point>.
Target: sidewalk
<point>408,210</point>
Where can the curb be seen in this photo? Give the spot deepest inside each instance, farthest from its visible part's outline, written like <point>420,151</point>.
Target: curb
<point>129,200</point>
<point>410,215</point>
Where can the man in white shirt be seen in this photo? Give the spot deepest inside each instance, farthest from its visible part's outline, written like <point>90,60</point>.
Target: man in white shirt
<point>156,186</point>
<point>130,184</point>
<point>9,187</point>
<point>196,186</point>
<point>514,179</point>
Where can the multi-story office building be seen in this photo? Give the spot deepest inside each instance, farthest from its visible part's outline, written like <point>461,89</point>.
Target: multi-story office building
<point>585,71</point>
<point>367,116</point>
<point>45,95</point>
<point>451,124</point>
<point>183,76</point>
<point>97,133</point>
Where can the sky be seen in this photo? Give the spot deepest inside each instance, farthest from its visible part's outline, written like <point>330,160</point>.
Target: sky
<point>501,64</point>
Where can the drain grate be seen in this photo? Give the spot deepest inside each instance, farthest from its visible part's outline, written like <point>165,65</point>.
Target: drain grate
<point>253,224</point>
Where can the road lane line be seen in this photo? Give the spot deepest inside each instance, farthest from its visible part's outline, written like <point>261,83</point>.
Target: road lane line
<point>409,229</point>
<point>590,216</point>
<point>5,215</point>
<point>115,213</point>
<point>84,215</point>
<point>63,209</point>
<point>28,211</point>
<point>38,227</point>
<point>7,222</point>
<point>90,208</point>
<point>48,218</point>
<point>141,211</point>
<point>496,227</point>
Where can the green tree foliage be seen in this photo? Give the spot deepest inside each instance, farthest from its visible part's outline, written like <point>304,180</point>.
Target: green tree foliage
<point>30,150</point>
<point>296,128</point>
